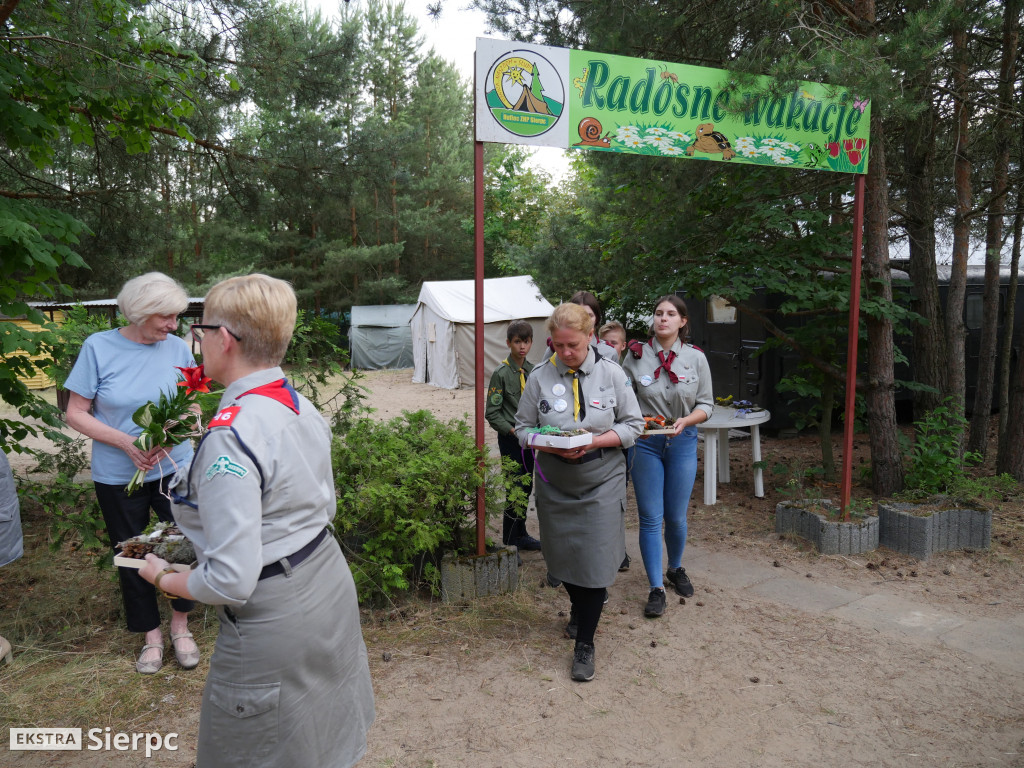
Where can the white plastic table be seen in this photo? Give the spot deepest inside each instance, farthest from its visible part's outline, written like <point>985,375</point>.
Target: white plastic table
<point>716,448</point>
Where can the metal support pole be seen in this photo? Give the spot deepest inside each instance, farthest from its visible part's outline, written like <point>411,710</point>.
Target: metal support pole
<point>478,325</point>
<point>851,344</point>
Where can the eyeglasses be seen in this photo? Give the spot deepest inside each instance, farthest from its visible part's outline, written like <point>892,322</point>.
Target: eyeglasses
<point>199,329</point>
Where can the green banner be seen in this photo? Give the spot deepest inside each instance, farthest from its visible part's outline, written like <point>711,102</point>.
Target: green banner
<point>638,106</point>
<point>544,96</point>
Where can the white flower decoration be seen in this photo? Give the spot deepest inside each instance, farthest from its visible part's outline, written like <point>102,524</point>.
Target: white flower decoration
<point>671,149</point>
<point>656,131</point>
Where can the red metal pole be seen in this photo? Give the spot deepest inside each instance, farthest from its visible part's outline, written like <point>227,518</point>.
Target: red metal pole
<point>851,344</point>
<point>478,234</point>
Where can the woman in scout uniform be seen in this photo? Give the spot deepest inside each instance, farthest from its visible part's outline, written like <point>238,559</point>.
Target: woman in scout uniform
<point>289,682</point>
<point>507,384</point>
<point>671,379</point>
<point>581,492</point>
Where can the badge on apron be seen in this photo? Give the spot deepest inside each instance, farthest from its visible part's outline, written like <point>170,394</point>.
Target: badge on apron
<point>558,390</point>
<point>543,406</point>
<point>559,405</point>
<point>646,380</point>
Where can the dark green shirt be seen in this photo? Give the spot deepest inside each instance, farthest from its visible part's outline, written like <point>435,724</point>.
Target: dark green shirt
<point>503,396</point>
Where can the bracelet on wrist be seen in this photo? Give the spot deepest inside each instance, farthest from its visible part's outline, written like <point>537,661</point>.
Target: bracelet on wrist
<point>156,583</point>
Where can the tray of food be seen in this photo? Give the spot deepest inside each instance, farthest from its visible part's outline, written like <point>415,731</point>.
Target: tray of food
<point>164,540</point>
<point>553,437</point>
<point>659,425</point>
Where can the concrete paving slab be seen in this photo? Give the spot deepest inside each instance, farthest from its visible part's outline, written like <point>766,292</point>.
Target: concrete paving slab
<point>805,594</point>
<point>895,615</point>
<point>727,571</point>
<point>997,641</point>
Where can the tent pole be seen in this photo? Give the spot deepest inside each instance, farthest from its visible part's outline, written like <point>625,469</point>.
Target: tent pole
<point>478,329</point>
<point>851,345</point>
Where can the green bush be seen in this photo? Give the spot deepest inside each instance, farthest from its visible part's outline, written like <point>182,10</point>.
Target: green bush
<point>406,494</point>
<point>313,357</point>
<point>77,326</point>
<point>72,507</point>
<point>936,464</point>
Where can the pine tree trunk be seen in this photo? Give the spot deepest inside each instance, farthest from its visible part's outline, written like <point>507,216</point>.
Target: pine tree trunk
<point>978,440</point>
<point>880,397</point>
<point>929,346</point>
<point>956,333</point>
<point>1010,457</point>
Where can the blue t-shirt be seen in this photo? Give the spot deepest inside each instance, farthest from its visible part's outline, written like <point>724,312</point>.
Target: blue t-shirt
<point>120,375</point>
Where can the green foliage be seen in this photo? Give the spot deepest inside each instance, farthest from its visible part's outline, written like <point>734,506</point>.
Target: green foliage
<point>936,464</point>
<point>76,327</point>
<point>313,357</point>
<point>406,493</point>
<point>75,512</point>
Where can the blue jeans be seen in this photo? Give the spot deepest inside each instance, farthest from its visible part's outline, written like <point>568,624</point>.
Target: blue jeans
<point>663,469</point>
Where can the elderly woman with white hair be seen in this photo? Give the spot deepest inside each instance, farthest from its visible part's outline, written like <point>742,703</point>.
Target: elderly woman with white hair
<point>116,372</point>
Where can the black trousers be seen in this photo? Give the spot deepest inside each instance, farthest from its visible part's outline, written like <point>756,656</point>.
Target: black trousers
<point>126,516</point>
<point>513,523</point>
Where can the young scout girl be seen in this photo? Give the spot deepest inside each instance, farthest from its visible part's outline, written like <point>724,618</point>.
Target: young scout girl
<point>671,379</point>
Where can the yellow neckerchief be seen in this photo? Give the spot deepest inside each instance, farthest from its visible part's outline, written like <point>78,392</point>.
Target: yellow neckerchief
<point>575,390</point>
<point>522,376</point>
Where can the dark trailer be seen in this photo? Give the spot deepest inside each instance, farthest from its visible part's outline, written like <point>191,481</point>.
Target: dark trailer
<point>734,342</point>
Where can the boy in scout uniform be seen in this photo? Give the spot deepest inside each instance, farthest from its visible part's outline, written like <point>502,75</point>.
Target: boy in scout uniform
<point>507,383</point>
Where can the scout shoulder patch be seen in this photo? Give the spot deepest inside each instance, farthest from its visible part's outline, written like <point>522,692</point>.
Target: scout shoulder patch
<point>225,417</point>
<point>225,466</point>
<point>496,398</point>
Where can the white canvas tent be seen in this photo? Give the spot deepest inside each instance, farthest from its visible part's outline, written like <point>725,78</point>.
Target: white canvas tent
<point>380,337</point>
<point>443,336</point>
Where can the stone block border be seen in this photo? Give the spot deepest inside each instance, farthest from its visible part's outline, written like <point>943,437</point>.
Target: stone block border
<point>922,535</point>
<point>828,537</point>
<point>470,576</point>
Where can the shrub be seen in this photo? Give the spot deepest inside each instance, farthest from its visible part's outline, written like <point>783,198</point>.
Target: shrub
<point>936,464</point>
<point>407,493</point>
<point>72,506</point>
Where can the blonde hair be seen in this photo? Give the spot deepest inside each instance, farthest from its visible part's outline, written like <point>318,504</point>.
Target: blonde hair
<point>258,308</point>
<point>571,316</point>
<point>153,293</point>
<point>612,325</point>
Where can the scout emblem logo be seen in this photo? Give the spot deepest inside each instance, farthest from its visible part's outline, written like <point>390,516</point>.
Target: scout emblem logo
<point>524,93</point>
<point>225,466</point>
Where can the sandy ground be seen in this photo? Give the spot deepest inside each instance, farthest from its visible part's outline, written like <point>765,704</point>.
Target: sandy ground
<point>751,671</point>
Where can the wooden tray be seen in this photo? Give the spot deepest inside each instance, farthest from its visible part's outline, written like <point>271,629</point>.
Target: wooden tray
<point>134,562</point>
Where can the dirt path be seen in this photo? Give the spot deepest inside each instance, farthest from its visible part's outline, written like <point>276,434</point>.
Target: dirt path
<point>782,657</point>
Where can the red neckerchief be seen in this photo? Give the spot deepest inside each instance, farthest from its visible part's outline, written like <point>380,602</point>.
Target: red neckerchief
<point>279,390</point>
<point>666,365</point>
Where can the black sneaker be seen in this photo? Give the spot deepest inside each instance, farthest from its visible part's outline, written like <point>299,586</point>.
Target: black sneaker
<point>527,544</point>
<point>625,564</point>
<point>655,603</point>
<point>573,626</point>
<point>583,662</point>
<point>679,580</point>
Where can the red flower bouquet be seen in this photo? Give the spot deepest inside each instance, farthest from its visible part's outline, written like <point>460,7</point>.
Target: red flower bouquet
<point>171,420</point>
